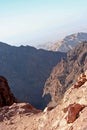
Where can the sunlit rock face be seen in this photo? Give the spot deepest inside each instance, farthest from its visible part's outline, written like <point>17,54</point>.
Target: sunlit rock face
<point>65,73</point>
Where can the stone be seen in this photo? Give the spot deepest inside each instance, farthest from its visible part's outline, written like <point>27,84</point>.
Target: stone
<point>73,111</point>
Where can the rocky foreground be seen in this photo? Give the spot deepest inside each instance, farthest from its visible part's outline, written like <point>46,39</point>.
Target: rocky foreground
<point>70,114</point>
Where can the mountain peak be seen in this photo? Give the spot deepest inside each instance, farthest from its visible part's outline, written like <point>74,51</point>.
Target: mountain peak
<point>67,43</point>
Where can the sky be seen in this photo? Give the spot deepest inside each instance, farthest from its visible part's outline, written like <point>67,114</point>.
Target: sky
<point>32,22</point>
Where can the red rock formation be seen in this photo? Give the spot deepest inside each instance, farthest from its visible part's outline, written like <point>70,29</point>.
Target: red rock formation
<point>6,97</point>
<point>66,108</point>
<point>81,80</point>
<point>29,108</point>
<point>73,111</point>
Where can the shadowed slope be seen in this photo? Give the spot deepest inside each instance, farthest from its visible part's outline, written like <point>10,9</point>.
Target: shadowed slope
<point>27,69</point>
<point>6,97</point>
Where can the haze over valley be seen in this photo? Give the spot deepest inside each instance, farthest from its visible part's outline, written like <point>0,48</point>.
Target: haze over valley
<point>34,22</point>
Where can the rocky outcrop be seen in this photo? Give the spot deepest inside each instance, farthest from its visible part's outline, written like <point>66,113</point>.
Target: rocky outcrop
<point>66,74</point>
<point>71,114</point>
<point>6,96</point>
<point>8,112</point>
<point>81,80</point>
<point>73,111</point>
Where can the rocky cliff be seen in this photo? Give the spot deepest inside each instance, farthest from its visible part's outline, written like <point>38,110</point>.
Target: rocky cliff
<point>70,114</point>
<point>27,69</point>
<point>6,96</point>
<point>66,73</point>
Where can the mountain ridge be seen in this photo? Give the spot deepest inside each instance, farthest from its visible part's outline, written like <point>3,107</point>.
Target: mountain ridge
<point>67,43</point>
<point>27,69</point>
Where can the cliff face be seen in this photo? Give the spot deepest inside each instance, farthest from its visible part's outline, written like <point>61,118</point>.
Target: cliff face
<point>66,73</point>
<point>27,69</point>
<point>71,114</point>
<point>6,96</point>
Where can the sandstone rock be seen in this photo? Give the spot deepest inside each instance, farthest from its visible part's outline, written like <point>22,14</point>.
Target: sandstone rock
<point>73,111</point>
<point>81,80</point>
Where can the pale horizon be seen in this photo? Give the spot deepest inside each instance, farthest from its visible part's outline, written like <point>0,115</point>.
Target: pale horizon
<point>32,22</point>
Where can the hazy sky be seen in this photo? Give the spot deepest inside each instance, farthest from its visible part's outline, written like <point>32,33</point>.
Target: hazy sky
<point>38,21</point>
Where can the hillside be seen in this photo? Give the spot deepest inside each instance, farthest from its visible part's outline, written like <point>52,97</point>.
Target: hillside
<point>66,44</point>
<point>70,114</point>
<point>27,69</point>
<point>65,73</point>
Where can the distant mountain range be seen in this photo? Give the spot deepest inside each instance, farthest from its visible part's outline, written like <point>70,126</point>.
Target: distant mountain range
<point>26,70</point>
<point>65,73</point>
<point>66,44</point>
